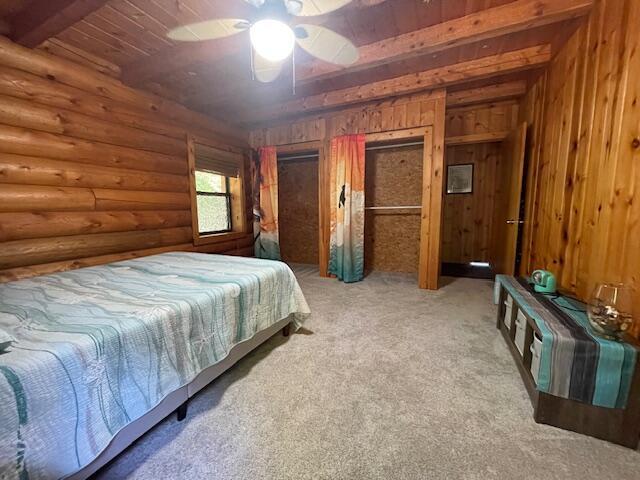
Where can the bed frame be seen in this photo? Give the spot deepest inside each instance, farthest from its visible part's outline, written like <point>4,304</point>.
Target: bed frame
<point>178,400</point>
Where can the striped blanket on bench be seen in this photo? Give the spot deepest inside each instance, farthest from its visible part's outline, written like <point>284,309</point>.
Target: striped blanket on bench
<point>575,363</point>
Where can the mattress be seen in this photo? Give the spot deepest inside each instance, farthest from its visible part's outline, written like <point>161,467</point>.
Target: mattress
<point>99,347</point>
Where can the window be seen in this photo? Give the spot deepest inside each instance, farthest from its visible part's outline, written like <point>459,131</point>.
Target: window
<point>218,211</point>
<point>214,203</point>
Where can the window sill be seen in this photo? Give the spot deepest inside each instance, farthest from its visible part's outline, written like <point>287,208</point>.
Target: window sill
<point>218,237</point>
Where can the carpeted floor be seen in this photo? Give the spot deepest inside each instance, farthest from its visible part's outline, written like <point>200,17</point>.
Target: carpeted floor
<point>389,382</point>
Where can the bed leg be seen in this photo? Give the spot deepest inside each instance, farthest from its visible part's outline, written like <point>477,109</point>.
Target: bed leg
<point>286,330</point>
<point>182,411</point>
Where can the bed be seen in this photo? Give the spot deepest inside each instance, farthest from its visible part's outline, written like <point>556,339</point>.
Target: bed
<point>104,353</point>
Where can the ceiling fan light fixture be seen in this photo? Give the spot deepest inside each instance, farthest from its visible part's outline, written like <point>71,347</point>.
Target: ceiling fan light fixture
<point>272,39</point>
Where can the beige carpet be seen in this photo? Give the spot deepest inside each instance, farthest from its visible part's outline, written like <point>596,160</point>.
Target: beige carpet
<point>393,383</point>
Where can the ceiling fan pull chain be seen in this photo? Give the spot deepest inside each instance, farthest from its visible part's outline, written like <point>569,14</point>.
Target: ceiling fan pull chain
<point>293,60</point>
<point>253,68</point>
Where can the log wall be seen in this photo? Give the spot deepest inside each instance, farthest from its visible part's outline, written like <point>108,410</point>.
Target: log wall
<point>583,213</point>
<point>92,171</point>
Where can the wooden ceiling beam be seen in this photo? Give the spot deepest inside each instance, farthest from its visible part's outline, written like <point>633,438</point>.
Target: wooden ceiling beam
<point>43,19</point>
<point>512,17</point>
<point>493,65</point>
<point>490,93</point>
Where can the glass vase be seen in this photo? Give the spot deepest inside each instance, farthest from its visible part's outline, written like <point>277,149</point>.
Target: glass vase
<point>609,310</point>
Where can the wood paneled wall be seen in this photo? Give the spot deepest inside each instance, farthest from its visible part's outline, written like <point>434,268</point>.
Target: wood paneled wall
<point>394,119</point>
<point>485,118</point>
<point>306,130</point>
<point>90,170</point>
<point>583,213</point>
<point>466,230</point>
<point>400,113</point>
<point>466,223</point>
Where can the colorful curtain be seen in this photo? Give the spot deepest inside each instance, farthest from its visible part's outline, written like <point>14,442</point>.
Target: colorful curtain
<point>346,255</point>
<point>265,204</point>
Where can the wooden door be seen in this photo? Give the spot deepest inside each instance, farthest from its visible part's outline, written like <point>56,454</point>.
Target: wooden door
<point>506,216</point>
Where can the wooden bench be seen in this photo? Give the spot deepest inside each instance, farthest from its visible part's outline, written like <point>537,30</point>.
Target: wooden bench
<point>617,425</point>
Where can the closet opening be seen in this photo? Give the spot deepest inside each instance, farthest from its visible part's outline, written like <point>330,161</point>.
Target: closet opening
<point>468,206</point>
<point>483,206</point>
<point>393,206</point>
<point>298,207</point>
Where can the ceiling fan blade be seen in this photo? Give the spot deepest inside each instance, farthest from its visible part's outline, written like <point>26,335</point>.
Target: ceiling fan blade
<point>372,3</point>
<point>294,7</point>
<point>320,7</point>
<point>208,30</point>
<point>264,70</point>
<point>326,44</point>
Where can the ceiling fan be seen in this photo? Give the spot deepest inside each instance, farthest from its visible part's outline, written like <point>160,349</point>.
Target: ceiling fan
<point>274,32</point>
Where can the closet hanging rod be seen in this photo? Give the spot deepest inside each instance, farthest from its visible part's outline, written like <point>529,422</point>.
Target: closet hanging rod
<point>375,147</point>
<point>394,145</point>
<point>396,207</point>
<point>298,157</point>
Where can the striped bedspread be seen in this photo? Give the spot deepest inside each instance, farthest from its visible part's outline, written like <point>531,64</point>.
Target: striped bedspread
<point>575,363</point>
<point>99,347</point>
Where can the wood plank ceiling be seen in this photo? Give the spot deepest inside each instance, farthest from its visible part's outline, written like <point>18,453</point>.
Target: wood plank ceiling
<point>127,39</point>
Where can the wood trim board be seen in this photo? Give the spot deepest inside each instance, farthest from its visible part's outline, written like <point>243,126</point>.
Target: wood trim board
<point>488,137</point>
<point>425,280</point>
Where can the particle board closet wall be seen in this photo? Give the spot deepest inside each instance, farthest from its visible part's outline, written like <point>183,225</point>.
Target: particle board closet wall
<point>392,237</point>
<point>91,171</point>
<point>298,210</point>
<point>583,214</point>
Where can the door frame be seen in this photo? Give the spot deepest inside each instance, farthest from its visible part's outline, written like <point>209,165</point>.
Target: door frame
<point>432,188</point>
<point>432,199</point>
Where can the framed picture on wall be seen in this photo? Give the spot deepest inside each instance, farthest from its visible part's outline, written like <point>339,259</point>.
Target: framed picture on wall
<point>460,178</point>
